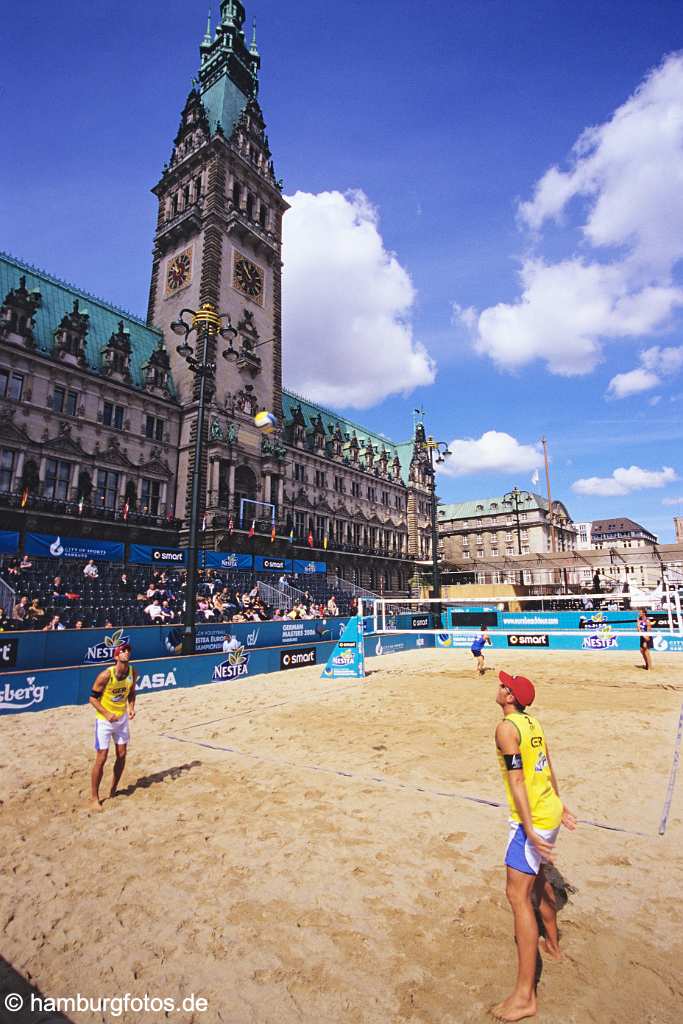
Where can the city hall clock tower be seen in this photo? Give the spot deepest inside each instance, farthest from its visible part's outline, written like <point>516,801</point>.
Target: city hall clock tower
<point>218,239</point>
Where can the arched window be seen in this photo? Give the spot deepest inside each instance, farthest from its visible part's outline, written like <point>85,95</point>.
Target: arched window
<point>245,487</point>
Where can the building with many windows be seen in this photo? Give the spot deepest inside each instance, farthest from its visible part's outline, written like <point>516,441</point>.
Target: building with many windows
<point>98,411</point>
<point>500,527</point>
<point>620,533</point>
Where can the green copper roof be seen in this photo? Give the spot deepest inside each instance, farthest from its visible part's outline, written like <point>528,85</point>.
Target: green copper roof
<point>489,507</point>
<point>310,410</point>
<point>228,73</point>
<point>58,299</point>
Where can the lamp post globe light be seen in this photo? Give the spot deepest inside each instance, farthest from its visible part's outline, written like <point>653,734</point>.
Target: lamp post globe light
<point>442,453</point>
<point>513,498</point>
<point>205,324</point>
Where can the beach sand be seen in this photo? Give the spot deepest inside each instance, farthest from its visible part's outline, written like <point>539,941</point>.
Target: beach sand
<point>298,850</point>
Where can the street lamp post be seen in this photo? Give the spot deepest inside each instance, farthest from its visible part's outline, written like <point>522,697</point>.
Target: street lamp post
<point>442,453</point>
<point>514,497</point>
<point>206,324</point>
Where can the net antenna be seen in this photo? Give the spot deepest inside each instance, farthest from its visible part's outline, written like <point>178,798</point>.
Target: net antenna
<point>671,598</point>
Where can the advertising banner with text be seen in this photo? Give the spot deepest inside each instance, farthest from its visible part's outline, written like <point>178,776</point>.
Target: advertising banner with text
<point>50,545</point>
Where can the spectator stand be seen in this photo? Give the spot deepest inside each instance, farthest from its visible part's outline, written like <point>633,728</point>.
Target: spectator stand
<point>118,594</point>
<point>346,592</point>
<point>8,597</point>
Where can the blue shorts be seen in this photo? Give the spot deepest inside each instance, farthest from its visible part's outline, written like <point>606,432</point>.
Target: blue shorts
<point>521,854</point>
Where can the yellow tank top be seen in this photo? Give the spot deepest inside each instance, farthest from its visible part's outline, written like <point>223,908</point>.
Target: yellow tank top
<point>115,694</point>
<point>545,804</point>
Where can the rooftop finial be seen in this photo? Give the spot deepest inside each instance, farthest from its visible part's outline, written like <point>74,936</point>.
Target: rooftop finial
<point>206,41</point>
<point>253,48</point>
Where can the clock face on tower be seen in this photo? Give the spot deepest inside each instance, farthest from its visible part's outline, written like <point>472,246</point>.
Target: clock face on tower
<point>179,271</point>
<point>247,278</point>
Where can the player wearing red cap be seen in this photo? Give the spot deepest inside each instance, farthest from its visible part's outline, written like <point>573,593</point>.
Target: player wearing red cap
<point>113,698</point>
<point>536,813</point>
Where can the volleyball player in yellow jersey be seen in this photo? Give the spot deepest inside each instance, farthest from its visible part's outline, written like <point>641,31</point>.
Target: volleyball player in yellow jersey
<point>113,698</point>
<point>536,813</point>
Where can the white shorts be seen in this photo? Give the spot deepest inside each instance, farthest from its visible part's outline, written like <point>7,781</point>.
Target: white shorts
<point>105,732</point>
<point>523,855</point>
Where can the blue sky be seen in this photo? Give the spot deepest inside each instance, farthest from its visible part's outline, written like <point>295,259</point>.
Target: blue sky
<point>429,242</point>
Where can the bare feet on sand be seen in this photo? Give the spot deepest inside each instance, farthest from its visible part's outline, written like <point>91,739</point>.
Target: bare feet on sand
<point>112,792</point>
<point>551,952</point>
<point>514,1008</point>
<point>95,804</point>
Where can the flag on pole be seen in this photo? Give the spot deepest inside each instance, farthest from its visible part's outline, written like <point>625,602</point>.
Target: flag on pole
<point>203,524</point>
<point>231,524</point>
<point>80,505</point>
<point>291,535</point>
<point>24,497</point>
<point>126,509</point>
<point>272,536</point>
<point>534,477</point>
<point>309,540</point>
<point>252,528</point>
<point>325,542</point>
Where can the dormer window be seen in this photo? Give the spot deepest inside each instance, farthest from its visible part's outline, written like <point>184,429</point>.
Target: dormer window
<point>116,353</point>
<point>70,335</point>
<point>156,370</point>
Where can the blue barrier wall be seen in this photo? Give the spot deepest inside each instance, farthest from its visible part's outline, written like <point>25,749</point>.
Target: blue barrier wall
<point>38,650</point>
<point>606,639</point>
<point>52,688</point>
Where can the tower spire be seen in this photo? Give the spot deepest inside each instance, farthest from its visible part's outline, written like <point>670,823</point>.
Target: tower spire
<point>253,49</point>
<point>207,37</point>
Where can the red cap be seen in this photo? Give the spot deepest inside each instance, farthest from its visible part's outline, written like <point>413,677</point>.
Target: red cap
<point>122,647</point>
<point>521,688</point>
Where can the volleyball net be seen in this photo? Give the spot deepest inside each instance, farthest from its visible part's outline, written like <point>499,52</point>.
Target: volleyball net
<point>550,613</point>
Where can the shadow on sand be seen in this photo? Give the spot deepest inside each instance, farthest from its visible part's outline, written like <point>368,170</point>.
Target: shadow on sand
<point>16,991</point>
<point>151,780</point>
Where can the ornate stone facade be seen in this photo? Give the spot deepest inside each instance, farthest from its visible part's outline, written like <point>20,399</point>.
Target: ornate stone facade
<point>103,410</point>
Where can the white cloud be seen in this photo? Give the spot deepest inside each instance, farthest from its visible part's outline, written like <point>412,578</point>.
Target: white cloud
<point>624,481</point>
<point>494,451</point>
<point>656,364</point>
<point>625,181</point>
<point>347,301</point>
<point>666,361</point>
<point>673,501</point>
<point>633,382</point>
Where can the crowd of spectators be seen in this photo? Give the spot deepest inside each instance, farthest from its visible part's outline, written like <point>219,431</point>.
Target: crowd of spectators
<point>144,598</point>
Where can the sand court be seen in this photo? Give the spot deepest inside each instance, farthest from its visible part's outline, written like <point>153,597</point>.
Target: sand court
<point>297,849</point>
